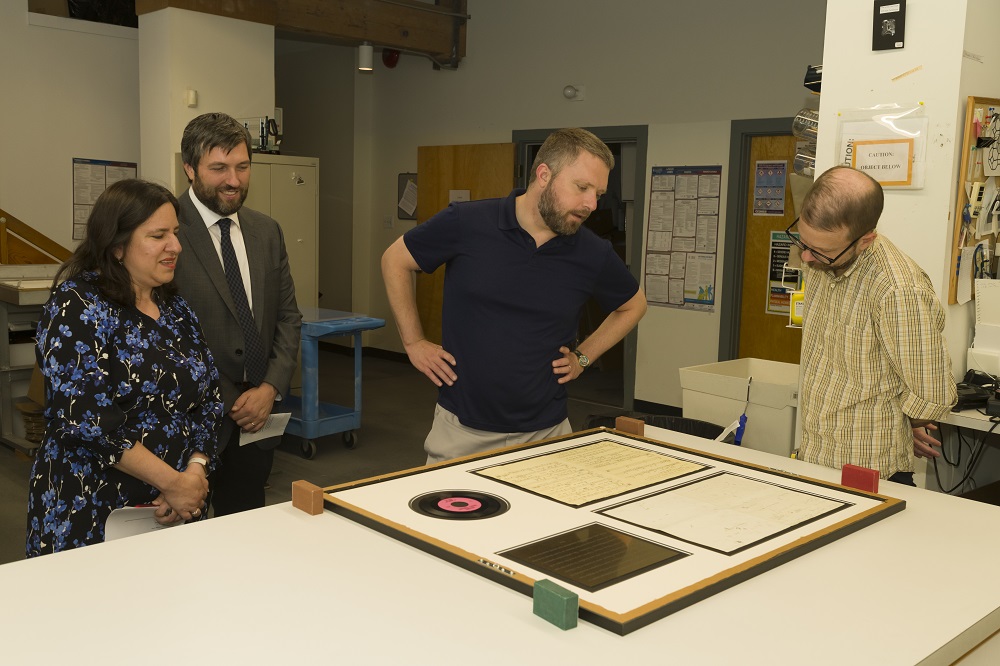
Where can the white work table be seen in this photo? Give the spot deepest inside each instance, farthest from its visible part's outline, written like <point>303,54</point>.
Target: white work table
<point>276,585</point>
<point>970,418</point>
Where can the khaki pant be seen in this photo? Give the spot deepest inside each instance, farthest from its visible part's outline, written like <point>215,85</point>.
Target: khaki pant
<point>449,439</point>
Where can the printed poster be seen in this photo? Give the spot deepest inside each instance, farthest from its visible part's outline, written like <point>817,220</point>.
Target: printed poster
<point>682,237</point>
<point>779,290</point>
<point>90,179</point>
<point>769,188</point>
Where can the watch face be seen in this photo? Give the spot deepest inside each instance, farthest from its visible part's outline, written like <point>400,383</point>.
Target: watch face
<point>584,361</point>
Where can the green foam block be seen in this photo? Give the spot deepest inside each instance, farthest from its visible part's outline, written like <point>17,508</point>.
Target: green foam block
<point>555,604</point>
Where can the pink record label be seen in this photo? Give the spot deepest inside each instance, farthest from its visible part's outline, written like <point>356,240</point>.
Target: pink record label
<point>459,504</point>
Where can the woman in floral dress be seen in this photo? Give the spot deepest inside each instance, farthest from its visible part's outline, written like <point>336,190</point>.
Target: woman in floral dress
<point>132,395</point>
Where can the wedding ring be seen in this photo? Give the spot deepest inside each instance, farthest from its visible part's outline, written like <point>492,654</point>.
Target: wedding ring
<point>252,424</point>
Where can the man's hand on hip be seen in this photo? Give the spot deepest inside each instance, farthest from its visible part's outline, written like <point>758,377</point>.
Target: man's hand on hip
<point>568,367</point>
<point>433,361</point>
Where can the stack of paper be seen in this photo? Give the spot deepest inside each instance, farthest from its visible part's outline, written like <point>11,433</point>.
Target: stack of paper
<point>984,355</point>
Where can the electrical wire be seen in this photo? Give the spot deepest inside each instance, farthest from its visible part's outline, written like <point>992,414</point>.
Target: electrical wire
<point>958,452</point>
<point>977,456</point>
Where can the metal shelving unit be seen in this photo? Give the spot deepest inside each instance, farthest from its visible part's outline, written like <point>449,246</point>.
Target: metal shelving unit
<point>23,291</point>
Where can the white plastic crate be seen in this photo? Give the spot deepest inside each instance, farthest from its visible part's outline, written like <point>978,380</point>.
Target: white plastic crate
<point>717,393</point>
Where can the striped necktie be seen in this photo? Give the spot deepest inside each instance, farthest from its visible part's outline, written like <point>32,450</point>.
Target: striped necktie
<point>254,363</point>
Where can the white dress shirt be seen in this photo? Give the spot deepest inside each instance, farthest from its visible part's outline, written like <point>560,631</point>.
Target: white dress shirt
<point>235,234</point>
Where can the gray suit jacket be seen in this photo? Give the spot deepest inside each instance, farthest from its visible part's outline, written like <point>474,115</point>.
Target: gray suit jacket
<point>202,282</point>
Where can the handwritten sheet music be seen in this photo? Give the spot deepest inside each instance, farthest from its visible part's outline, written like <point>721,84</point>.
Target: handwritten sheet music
<point>592,472</point>
<point>725,512</point>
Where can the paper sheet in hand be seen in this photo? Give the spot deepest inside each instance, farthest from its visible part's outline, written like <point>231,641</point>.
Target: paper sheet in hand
<point>275,427</point>
<point>132,520</point>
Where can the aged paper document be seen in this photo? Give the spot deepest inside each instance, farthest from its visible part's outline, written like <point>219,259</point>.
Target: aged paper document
<point>591,472</point>
<point>725,512</point>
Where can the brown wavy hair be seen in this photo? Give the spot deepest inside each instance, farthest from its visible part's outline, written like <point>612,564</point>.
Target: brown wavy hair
<point>119,210</point>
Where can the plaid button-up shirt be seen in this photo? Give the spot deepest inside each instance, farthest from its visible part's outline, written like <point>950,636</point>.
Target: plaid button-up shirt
<point>873,354</point>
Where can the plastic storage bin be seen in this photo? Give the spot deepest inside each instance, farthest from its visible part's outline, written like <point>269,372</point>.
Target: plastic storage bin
<point>717,393</point>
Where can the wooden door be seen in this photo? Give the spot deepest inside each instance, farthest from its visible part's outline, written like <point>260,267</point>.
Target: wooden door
<point>486,171</point>
<point>762,334</point>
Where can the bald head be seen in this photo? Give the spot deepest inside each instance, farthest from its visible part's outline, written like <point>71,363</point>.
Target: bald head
<point>843,198</point>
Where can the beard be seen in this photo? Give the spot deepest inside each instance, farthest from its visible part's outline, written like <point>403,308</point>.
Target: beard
<point>210,197</point>
<point>559,221</point>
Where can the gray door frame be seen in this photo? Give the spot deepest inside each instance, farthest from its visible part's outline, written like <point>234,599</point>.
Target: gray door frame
<point>638,134</point>
<point>740,136</point>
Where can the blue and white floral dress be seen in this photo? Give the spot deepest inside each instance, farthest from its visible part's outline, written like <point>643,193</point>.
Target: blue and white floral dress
<point>113,377</point>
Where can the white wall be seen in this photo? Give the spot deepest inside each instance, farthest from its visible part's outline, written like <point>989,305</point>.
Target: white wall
<point>230,64</point>
<point>314,86</point>
<point>684,69</point>
<point>854,76</point>
<point>71,89</point>
<point>669,338</point>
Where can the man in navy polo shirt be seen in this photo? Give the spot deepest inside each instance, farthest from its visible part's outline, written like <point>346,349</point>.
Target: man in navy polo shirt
<point>519,271</point>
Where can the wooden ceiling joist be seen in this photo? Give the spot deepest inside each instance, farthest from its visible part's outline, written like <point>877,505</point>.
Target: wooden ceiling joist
<point>436,31</point>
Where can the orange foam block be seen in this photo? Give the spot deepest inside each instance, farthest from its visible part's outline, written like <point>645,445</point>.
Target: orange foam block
<point>630,425</point>
<point>307,497</point>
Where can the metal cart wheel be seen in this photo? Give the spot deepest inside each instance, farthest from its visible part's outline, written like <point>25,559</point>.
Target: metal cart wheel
<point>351,439</point>
<point>308,449</point>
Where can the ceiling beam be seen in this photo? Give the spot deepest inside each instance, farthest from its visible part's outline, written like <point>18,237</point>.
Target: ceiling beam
<point>258,11</point>
<point>436,31</point>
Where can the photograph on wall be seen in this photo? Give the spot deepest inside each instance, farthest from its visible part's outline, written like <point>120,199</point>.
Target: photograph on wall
<point>682,236</point>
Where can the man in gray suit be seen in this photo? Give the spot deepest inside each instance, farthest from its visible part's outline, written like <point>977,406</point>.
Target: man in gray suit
<point>235,276</point>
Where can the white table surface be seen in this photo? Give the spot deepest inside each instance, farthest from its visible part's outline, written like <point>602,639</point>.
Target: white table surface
<point>970,418</point>
<point>274,585</point>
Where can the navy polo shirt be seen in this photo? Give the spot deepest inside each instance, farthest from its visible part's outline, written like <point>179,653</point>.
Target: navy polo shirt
<point>509,306</point>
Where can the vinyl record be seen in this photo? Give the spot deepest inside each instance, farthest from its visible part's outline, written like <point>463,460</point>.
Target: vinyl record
<point>459,504</point>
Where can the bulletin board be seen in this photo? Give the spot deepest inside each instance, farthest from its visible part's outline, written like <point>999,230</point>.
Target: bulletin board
<point>402,181</point>
<point>982,123</point>
<point>637,528</point>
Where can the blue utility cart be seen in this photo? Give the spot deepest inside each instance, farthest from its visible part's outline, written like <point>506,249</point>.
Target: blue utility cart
<point>310,417</point>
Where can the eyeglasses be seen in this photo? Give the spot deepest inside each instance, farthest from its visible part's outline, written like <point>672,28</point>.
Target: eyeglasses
<point>819,255</point>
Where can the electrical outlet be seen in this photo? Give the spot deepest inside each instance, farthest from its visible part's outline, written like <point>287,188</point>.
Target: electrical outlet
<point>387,221</point>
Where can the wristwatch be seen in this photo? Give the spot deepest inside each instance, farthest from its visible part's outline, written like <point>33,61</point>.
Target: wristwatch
<point>580,356</point>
